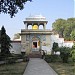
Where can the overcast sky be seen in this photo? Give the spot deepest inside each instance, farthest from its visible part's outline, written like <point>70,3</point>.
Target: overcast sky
<point>51,9</point>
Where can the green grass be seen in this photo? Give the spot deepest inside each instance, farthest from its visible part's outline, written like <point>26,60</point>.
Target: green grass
<point>63,68</point>
<point>13,69</point>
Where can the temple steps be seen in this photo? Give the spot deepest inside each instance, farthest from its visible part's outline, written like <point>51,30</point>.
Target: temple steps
<point>35,54</point>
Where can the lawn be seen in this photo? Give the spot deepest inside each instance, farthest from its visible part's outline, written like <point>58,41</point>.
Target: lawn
<point>13,69</point>
<point>63,68</point>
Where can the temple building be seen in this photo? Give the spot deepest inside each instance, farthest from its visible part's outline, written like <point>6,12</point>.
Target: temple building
<point>35,36</point>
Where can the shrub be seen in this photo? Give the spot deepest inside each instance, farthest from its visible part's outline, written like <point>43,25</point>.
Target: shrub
<point>52,58</point>
<point>73,55</point>
<point>64,54</point>
<point>25,58</point>
<point>48,58</point>
<point>10,60</point>
<point>55,47</point>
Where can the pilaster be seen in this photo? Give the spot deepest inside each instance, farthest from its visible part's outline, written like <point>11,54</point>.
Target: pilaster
<point>26,26</point>
<point>44,26</point>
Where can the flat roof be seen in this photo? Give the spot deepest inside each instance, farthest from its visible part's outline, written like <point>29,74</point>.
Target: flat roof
<point>35,18</point>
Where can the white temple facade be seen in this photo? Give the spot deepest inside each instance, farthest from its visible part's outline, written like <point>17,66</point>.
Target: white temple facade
<point>61,42</point>
<point>35,36</point>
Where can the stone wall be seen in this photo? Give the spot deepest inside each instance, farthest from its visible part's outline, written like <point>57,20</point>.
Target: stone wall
<point>16,47</point>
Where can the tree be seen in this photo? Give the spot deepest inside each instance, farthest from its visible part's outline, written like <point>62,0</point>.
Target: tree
<point>58,26</point>
<point>55,47</point>
<point>5,43</point>
<point>73,35</point>
<point>65,28</point>
<point>69,29</point>
<point>11,6</point>
<point>66,33</point>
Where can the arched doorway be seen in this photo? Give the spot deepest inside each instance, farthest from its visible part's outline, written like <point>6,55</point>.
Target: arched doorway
<point>35,44</point>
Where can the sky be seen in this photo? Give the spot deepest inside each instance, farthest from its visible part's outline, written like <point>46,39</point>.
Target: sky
<point>51,9</point>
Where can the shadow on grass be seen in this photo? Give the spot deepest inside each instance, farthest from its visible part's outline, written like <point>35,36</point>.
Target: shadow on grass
<point>13,69</point>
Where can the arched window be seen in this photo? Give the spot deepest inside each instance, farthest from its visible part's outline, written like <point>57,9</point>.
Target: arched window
<point>29,26</point>
<point>35,27</point>
<point>41,27</point>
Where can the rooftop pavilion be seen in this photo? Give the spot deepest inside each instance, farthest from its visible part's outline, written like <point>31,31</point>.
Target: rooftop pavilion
<point>35,21</point>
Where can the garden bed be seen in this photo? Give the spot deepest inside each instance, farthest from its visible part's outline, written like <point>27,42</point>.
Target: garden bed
<point>13,69</point>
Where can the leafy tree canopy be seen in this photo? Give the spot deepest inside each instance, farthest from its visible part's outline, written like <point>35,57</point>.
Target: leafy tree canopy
<point>73,35</point>
<point>65,28</point>
<point>58,26</point>
<point>11,6</point>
